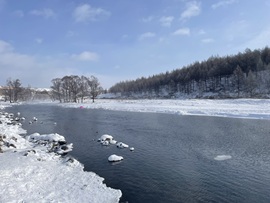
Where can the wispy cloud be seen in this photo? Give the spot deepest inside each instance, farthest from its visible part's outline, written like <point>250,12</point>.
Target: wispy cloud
<point>207,40</point>
<point>166,21</point>
<point>86,56</point>
<point>45,13</point>
<point>85,13</point>
<point>223,3</point>
<point>5,47</point>
<point>192,9</point>
<point>146,35</point>
<point>182,31</point>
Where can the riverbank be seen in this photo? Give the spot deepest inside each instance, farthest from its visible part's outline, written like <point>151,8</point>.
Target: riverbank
<point>29,173</point>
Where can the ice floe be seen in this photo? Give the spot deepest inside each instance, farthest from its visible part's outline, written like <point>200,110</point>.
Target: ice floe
<point>222,157</point>
<point>114,158</point>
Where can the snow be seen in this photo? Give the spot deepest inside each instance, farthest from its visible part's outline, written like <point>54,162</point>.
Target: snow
<point>31,172</point>
<point>222,157</point>
<point>106,137</point>
<point>236,108</point>
<point>121,145</point>
<point>54,137</point>
<point>114,158</point>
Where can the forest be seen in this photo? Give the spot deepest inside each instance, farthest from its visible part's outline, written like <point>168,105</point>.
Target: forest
<point>245,74</point>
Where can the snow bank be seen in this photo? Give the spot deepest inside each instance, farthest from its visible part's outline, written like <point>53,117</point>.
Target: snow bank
<point>29,172</point>
<point>236,108</point>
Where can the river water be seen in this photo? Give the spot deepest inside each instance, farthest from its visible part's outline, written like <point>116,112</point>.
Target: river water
<point>174,158</point>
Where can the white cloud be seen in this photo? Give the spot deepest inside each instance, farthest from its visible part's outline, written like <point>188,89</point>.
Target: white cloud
<point>207,40</point>
<point>39,40</point>
<point>182,31</point>
<point>222,3</point>
<point>192,9</point>
<point>45,13</point>
<point>5,47</point>
<point>85,13</point>
<point>18,13</point>
<point>86,56</point>
<point>146,35</point>
<point>166,21</point>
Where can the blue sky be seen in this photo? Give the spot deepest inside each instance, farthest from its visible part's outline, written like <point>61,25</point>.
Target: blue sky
<point>122,39</point>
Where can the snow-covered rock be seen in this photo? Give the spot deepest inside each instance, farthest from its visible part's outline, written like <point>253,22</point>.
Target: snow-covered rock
<point>122,145</point>
<point>113,141</point>
<point>54,137</point>
<point>105,143</point>
<point>114,158</point>
<point>106,137</point>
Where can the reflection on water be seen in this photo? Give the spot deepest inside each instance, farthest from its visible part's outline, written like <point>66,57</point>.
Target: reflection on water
<point>176,158</point>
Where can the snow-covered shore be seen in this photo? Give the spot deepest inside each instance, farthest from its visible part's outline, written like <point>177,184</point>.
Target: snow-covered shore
<point>30,173</point>
<point>236,108</point>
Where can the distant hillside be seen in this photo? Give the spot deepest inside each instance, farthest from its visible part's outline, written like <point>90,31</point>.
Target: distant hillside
<point>243,75</point>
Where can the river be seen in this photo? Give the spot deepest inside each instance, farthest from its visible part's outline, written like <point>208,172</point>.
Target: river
<point>175,157</point>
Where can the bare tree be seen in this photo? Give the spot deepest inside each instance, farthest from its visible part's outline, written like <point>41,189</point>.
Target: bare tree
<point>56,89</point>
<point>13,89</point>
<point>95,88</point>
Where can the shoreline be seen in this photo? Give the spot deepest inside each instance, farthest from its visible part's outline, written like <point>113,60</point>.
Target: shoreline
<point>30,173</point>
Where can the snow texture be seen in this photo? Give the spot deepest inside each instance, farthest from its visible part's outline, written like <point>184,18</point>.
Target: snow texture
<point>114,158</point>
<point>222,157</point>
<point>236,108</point>
<point>30,172</point>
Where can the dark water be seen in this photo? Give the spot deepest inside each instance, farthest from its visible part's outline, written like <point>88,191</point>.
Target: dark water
<point>174,155</point>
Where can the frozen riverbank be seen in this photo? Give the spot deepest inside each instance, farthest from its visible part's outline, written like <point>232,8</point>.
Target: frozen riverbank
<point>29,173</point>
<point>236,108</point>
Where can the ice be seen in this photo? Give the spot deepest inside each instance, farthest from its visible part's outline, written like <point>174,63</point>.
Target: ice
<point>114,158</point>
<point>222,157</point>
<point>235,108</point>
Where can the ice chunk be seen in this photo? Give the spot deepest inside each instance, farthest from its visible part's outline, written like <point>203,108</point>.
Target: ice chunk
<point>114,157</point>
<point>222,157</point>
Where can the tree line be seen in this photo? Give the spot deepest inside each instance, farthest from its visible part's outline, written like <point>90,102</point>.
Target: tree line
<point>66,89</point>
<point>14,92</point>
<point>75,88</point>
<point>245,74</point>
